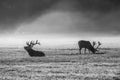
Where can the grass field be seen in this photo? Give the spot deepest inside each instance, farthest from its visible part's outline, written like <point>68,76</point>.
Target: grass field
<point>59,64</point>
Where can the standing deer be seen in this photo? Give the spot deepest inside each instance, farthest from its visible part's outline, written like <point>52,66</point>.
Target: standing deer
<point>88,45</point>
<point>31,52</point>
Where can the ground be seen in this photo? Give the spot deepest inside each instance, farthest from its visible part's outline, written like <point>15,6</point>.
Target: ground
<point>59,64</point>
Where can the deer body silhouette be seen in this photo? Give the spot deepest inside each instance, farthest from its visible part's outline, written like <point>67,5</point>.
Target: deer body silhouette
<point>87,45</point>
<point>31,52</point>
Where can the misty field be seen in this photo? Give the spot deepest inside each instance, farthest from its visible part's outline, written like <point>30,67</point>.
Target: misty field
<point>59,64</point>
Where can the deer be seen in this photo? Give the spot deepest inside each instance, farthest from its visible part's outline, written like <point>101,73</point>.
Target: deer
<point>88,45</point>
<point>32,52</point>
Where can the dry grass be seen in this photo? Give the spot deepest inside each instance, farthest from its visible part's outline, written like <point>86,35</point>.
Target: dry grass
<point>15,64</point>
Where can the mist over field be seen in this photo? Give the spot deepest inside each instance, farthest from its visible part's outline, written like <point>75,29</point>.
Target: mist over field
<point>64,21</point>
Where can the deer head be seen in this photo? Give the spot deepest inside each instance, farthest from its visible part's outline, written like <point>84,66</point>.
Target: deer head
<point>97,44</point>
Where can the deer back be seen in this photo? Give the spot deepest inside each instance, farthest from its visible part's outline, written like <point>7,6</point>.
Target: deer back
<point>86,44</point>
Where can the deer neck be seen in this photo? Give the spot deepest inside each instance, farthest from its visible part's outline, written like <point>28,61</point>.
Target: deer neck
<point>92,49</point>
<point>29,50</point>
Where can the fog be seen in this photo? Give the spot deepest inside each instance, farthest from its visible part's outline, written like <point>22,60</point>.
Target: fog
<point>59,22</point>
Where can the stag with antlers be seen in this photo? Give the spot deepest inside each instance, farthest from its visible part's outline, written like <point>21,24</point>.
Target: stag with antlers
<point>31,52</point>
<point>88,45</point>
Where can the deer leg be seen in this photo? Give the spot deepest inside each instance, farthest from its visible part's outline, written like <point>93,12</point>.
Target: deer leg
<point>80,50</point>
<point>85,51</point>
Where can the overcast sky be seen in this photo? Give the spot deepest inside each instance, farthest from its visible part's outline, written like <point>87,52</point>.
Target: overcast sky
<point>60,19</point>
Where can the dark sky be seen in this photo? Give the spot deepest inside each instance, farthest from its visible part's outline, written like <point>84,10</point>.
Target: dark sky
<point>60,16</point>
<point>15,12</point>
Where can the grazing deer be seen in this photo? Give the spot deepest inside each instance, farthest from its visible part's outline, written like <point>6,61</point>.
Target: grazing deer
<point>88,45</point>
<point>31,52</point>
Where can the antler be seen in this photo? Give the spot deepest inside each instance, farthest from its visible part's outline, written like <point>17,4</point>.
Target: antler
<point>94,43</point>
<point>28,43</point>
<point>37,42</point>
<point>32,43</point>
<point>99,43</point>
